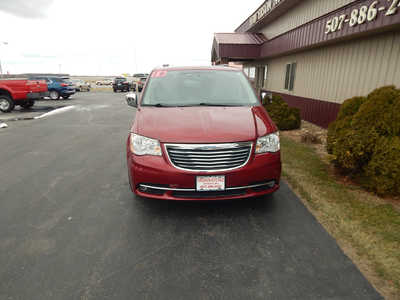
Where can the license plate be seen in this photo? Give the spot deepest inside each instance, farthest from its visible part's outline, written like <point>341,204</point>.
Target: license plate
<point>210,183</point>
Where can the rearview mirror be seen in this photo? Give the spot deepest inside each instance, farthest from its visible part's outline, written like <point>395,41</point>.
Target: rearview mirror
<point>131,99</point>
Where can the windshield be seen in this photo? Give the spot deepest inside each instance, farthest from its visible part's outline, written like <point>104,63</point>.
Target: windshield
<point>198,87</point>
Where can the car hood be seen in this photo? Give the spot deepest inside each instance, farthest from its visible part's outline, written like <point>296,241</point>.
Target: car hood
<point>202,124</point>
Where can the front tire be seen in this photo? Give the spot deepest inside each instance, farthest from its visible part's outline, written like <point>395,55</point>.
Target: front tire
<point>54,95</point>
<point>6,104</point>
<point>65,97</point>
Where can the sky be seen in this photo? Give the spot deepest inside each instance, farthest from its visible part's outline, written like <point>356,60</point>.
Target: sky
<point>95,37</point>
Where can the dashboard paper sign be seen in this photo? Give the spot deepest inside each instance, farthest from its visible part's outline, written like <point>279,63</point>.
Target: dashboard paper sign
<point>159,74</point>
<point>210,183</point>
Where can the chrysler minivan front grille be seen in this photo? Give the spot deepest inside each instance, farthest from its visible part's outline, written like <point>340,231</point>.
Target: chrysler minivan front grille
<point>209,157</point>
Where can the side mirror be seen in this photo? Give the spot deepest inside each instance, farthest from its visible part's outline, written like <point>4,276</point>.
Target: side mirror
<point>265,96</point>
<point>131,99</point>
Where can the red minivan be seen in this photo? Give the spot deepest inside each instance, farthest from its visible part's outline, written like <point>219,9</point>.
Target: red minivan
<point>201,133</point>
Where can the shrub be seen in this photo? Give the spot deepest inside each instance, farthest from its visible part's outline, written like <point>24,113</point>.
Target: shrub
<point>336,130</point>
<point>365,139</point>
<point>380,112</point>
<point>383,170</point>
<point>350,107</point>
<point>343,122</point>
<point>285,117</point>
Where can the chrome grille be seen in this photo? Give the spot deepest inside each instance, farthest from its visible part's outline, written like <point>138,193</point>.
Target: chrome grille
<point>209,157</point>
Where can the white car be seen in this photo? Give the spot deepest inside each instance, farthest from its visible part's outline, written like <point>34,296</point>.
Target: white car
<point>104,82</point>
<point>81,85</point>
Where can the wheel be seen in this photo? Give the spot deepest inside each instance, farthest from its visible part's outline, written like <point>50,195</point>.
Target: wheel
<point>65,97</point>
<point>54,95</point>
<point>115,91</point>
<point>6,103</point>
<point>28,104</point>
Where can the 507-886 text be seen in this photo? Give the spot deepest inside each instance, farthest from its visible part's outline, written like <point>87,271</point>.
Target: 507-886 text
<point>361,15</point>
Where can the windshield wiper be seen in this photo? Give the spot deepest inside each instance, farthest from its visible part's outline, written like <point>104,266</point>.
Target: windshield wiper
<point>216,104</point>
<point>156,105</point>
<point>192,105</point>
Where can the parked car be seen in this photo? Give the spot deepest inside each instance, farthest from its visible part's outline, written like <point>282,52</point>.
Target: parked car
<point>58,87</point>
<point>81,85</point>
<point>22,92</point>
<point>105,82</point>
<point>140,84</point>
<point>138,81</point>
<point>201,134</point>
<point>70,82</point>
<point>121,84</point>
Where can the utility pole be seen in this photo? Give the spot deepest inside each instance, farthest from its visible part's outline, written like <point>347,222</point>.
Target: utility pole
<point>1,68</point>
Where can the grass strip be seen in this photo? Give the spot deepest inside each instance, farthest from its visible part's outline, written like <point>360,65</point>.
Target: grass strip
<point>366,227</point>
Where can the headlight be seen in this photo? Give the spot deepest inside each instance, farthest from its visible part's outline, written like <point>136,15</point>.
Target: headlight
<point>141,145</point>
<point>268,143</point>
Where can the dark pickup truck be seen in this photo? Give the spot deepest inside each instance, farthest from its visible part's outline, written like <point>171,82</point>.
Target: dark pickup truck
<point>22,92</point>
<point>121,84</point>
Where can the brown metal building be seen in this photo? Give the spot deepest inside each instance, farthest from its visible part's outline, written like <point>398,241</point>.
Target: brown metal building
<point>317,53</point>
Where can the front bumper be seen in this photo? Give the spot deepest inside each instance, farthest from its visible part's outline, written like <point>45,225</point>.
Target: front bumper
<point>155,177</point>
<point>67,92</point>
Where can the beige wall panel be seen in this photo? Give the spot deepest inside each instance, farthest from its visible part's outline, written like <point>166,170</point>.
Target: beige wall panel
<point>341,71</point>
<point>302,13</point>
<point>394,70</point>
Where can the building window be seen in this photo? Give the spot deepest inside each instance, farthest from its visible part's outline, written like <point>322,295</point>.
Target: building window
<point>252,72</point>
<point>290,76</point>
<point>265,72</point>
<point>246,71</point>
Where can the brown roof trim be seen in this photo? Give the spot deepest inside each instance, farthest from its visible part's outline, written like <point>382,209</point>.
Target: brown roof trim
<point>233,38</point>
<point>236,46</point>
<point>312,34</point>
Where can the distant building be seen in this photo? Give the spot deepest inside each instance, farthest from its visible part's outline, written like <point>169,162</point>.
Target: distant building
<point>44,74</point>
<point>28,75</point>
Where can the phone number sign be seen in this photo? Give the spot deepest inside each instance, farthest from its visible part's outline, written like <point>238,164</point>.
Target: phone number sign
<point>362,15</point>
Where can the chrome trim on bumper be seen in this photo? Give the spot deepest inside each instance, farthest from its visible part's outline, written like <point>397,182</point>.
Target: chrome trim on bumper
<point>270,184</point>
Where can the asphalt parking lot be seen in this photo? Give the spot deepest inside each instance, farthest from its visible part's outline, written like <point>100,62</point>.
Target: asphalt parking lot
<point>71,229</point>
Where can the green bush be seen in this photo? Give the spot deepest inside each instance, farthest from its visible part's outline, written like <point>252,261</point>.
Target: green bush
<point>285,117</point>
<point>343,122</point>
<point>350,107</point>
<point>383,170</point>
<point>364,140</point>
